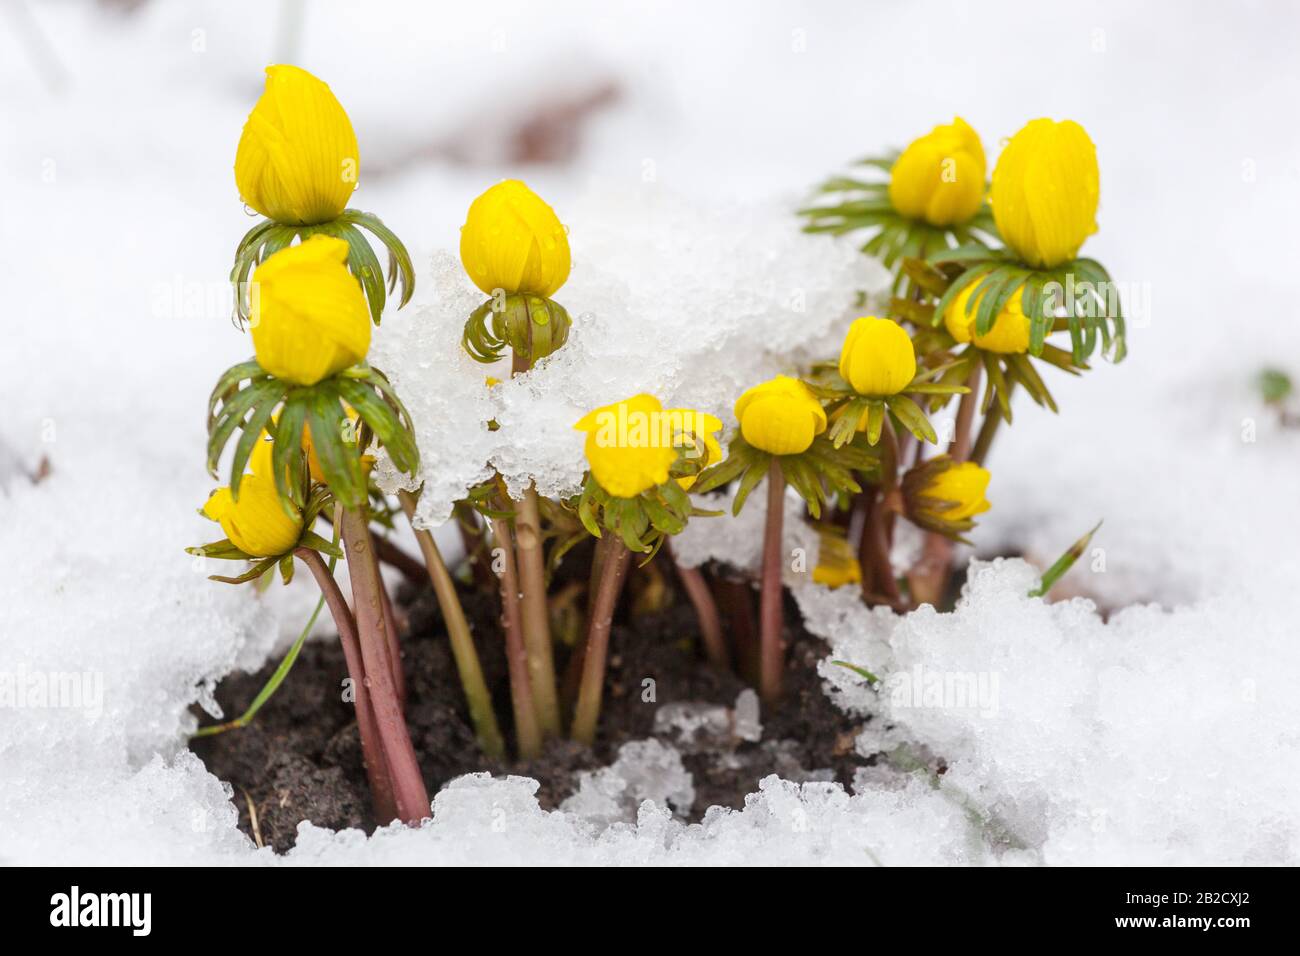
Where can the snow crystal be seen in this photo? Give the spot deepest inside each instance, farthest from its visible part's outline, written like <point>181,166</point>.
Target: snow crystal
<point>644,771</point>
<point>1155,736</point>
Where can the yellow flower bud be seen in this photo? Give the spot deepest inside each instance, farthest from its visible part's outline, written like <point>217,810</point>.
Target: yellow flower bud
<point>1045,190</point>
<point>940,177</point>
<point>256,523</point>
<point>310,318</point>
<point>837,565</point>
<point>964,485</point>
<point>878,357</point>
<point>513,241</point>
<point>1010,332</point>
<point>692,428</point>
<point>781,417</point>
<point>629,446</point>
<point>297,160</point>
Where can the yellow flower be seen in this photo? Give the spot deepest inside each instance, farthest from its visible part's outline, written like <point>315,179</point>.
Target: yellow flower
<point>964,485</point>
<point>940,177</point>
<point>837,565</point>
<point>1010,332</point>
<point>629,445</point>
<point>256,523</point>
<point>781,416</point>
<point>513,241</point>
<point>689,427</point>
<point>297,160</point>
<point>1045,190</point>
<point>878,357</point>
<point>310,318</point>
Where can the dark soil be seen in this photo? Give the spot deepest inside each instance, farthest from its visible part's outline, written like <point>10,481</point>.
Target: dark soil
<point>300,759</point>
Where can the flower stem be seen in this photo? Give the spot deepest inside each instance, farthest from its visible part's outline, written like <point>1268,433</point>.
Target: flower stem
<point>394,645</point>
<point>771,659</point>
<point>928,578</point>
<point>706,611</point>
<point>409,794</point>
<point>536,613</point>
<point>878,578</point>
<point>960,450</point>
<point>988,431</point>
<point>612,574</point>
<point>372,749</point>
<point>528,735</point>
<point>468,666</point>
<point>532,585</point>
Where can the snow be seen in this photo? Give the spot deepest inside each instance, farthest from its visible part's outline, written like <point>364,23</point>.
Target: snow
<point>1160,731</point>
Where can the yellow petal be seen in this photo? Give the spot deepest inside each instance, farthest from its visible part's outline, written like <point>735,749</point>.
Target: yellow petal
<point>310,318</point>
<point>939,178</point>
<point>297,161</point>
<point>514,241</point>
<point>780,416</point>
<point>878,357</point>
<point>1046,186</point>
<point>629,445</point>
<point>1010,331</point>
<point>964,485</point>
<point>837,565</point>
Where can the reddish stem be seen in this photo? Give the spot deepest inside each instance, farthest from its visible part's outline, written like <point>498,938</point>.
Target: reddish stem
<point>409,793</point>
<point>771,657</point>
<point>528,734</point>
<point>706,611</point>
<point>612,574</point>
<point>394,644</point>
<point>372,750</point>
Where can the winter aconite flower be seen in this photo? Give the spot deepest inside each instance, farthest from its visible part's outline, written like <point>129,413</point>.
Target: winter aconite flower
<point>257,523</point>
<point>629,445</point>
<point>957,491</point>
<point>837,565</point>
<point>310,318</point>
<point>1010,331</point>
<point>1045,191</point>
<point>781,416</point>
<point>297,159</point>
<point>513,241</point>
<point>940,177</point>
<point>878,357</point>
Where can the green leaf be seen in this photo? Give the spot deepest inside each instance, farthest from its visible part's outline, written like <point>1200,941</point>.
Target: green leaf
<point>955,289</point>
<point>383,421</point>
<point>1064,563</point>
<point>232,414</point>
<point>399,260</point>
<point>998,385</point>
<point>1274,385</point>
<point>722,473</point>
<point>860,671</point>
<point>875,421</point>
<point>252,434</point>
<point>286,457</point>
<point>753,475</point>
<point>912,418</point>
<point>339,461</point>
